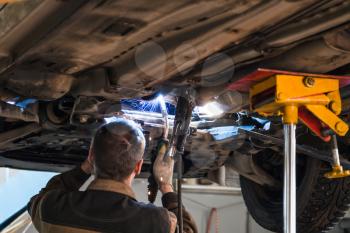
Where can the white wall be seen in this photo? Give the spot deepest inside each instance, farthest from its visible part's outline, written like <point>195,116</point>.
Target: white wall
<point>232,213</point>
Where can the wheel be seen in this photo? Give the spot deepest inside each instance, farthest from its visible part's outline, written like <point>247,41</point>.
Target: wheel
<point>321,202</point>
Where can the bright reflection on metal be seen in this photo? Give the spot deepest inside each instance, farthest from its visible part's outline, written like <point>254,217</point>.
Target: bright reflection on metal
<point>11,102</point>
<point>211,109</point>
<point>110,119</point>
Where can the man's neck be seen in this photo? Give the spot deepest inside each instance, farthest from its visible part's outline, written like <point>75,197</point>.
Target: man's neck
<point>128,181</point>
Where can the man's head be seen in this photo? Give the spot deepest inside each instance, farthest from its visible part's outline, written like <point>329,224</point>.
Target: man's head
<point>117,149</point>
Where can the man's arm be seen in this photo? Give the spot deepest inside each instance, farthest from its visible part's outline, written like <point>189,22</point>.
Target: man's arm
<point>163,173</point>
<point>170,202</point>
<point>68,181</point>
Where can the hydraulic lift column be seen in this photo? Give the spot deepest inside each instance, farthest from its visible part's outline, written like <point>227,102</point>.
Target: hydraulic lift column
<point>289,184</point>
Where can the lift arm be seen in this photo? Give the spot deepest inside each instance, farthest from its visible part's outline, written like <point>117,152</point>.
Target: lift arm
<point>315,101</point>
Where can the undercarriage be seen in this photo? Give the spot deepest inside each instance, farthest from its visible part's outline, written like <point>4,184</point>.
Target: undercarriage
<point>67,67</point>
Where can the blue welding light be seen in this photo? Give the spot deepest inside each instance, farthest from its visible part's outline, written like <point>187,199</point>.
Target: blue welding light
<point>25,103</point>
<point>13,101</point>
<point>225,132</point>
<point>147,105</point>
<point>266,123</point>
<point>21,104</point>
<point>153,106</point>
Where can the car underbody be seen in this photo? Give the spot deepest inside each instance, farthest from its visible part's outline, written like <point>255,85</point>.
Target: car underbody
<point>66,67</point>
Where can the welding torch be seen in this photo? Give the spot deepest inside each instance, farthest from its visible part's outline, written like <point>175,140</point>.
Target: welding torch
<point>176,146</point>
<point>181,130</point>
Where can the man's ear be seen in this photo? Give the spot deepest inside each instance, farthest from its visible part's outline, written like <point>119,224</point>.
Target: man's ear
<point>138,167</point>
<point>91,156</point>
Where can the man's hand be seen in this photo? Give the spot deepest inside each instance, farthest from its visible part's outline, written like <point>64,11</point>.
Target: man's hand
<point>163,169</point>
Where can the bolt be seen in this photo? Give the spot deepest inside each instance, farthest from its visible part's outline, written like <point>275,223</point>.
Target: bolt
<point>83,118</point>
<point>309,82</point>
<point>341,127</point>
<point>335,107</point>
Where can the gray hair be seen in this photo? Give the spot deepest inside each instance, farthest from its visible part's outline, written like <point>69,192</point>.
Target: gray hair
<point>117,147</point>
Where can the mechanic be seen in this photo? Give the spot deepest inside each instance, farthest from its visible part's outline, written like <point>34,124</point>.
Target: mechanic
<point>109,204</point>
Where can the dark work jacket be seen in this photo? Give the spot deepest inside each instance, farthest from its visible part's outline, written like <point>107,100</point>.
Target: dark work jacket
<point>106,206</point>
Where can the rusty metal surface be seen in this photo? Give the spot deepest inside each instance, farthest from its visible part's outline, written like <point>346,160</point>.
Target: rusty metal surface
<point>18,133</point>
<point>99,51</point>
<point>13,11</point>
<point>17,113</point>
<point>98,32</point>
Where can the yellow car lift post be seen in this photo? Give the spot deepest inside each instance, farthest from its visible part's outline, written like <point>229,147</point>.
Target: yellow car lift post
<point>313,99</point>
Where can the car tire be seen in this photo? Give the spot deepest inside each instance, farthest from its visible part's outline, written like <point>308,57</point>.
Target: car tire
<point>321,202</point>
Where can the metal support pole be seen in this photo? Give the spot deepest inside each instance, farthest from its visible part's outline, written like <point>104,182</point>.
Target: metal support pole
<point>289,188</point>
<point>335,151</point>
<point>179,192</point>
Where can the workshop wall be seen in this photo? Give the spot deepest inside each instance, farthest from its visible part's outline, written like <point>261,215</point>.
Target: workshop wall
<point>17,187</point>
<point>231,216</point>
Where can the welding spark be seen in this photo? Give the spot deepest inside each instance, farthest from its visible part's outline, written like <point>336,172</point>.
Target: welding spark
<point>154,105</point>
<point>142,105</point>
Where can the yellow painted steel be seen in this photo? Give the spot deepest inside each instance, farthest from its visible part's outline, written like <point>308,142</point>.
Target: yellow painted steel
<point>290,114</point>
<point>337,172</point>
<point>319,95</point>
<point>282,95</point>
<point>329,118</point>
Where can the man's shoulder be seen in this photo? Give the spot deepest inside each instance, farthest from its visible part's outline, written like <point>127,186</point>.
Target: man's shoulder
<point>56,200</point>
<point>92,208</point>
<point>156,214</point>
<point>53,196</point>
<point>151,207</point>
<point>59,199</point>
